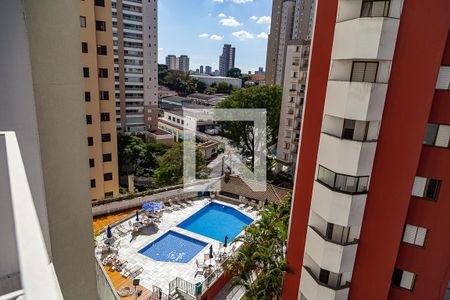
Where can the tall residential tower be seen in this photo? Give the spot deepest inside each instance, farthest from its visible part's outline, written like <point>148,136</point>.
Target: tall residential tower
<point>135,37</point>
<point>226,60</point>
<point>370,210</point>
<point>98,70</point>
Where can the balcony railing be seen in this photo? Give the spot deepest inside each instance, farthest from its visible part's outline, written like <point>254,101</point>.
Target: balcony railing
<point>324,284</point>
<point>341,242</point>
<point>37,274</point>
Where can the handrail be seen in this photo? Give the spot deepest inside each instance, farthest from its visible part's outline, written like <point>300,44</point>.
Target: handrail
<point>336,288</point>
<point>354,242</point>
<point>37,273</point>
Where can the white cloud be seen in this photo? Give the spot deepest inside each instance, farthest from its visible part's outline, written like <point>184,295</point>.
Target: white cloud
<point>216,37</point>
<point>233,1</point>
<point>263,35</point>
<point>243,35</point>
<point>160,49</point>
<point>204,35</point>
<point>253,18</point>
<point>222,15</point>
<point>264,20</point>
<point>229,22</point>
<point>220,1</point>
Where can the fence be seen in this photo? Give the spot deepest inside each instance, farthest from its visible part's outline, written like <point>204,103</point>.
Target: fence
<point>157,294</point>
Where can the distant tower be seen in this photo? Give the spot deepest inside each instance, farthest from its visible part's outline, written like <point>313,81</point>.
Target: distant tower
<point>226,60</point>
<point>201,69</point>
<point>183,64</point>
<point>208,69</point>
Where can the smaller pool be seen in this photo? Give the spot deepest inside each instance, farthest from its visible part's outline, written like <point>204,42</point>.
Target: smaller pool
<point>173,247</point>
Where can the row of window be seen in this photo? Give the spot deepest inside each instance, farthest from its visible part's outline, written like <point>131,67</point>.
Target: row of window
<point>99,25</point>
<point>101,49</point>
<point>103,95</point>
<point>106,137</point>
<point>106,177</point>
<point>437,135</point>
<point>107,157</point>
<point>342,183</point>
<point>102,72</point>
<point>104,117</point>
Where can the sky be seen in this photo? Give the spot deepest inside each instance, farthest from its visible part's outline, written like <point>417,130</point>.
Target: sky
<point>199,28</point>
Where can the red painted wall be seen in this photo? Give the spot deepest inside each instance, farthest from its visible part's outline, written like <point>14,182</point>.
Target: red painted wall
<point>311,126</point>
<point>420,46</point>
<point>216,287</point>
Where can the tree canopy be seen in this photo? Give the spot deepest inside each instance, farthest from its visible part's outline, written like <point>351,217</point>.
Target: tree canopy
<point>241,132</point>
<point>234,72</point>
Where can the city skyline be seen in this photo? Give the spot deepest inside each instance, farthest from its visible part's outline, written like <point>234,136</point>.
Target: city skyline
<point>211,25</point>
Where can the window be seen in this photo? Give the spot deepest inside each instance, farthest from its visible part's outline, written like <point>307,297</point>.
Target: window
<point>414,235</point>
<point>109,194</point>
<point>90,141</point>
<point>87,96</point>
<point>106,137</point>
<point>403,279</point>
<point>107,157</point>
<point>93,183</point>
<point>443,82</point>
<point>364,71</point>
<point>104,117</point>
<point>84,47</point>
<point>437,135</point>
<point>104,95</point>
<point>375,8</point>
<point>86,72</point>
<point>100,3</point>
<point>342,183</point>
<point>91,163</point>
<point>101,50</point>
<point>83,21</point>
<point>107,176</point>
<point>102,73</point>
<point>100,25</point>
<point>349,129</point>
<point>426,188</point>
<point>88,119</point>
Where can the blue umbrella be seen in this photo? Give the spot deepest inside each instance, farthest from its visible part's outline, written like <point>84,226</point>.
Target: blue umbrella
<point>152,206</point>
<point>137,215</point>
<point>108,232</point>
<point>225,244</point>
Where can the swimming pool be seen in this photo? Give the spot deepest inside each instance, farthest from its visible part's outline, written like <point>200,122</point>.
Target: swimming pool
<point>216,221</point>
<point>173,247</point>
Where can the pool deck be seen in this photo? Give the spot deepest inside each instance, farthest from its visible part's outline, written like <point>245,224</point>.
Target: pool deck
<point>157,273</point>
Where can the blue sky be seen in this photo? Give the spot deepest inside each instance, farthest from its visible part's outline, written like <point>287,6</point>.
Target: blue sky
<point>199,28</point>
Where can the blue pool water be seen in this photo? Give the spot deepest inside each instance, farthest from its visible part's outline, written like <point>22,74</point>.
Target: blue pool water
<point>216,221</point>
<point>173,247</point>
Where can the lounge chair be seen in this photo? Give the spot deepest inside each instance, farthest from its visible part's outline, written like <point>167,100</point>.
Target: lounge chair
<point>174,205</point>
<point>131,271</point>
<point>120,230</point>
<point>118,264</point>
<point>200,268</point>
<point>190,202</point>
<point>136,271</point>
<point>180,203</point>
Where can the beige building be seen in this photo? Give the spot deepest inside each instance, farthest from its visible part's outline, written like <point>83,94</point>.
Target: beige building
<point>98,73</point>
<point>135,36</point>
<point>46,242</point>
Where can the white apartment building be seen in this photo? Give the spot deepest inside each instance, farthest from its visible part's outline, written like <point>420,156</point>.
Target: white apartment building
<point>172,62</point>
<point>183,63</point>
<point>135,34</point>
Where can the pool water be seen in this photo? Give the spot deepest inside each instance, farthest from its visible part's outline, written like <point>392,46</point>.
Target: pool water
<point>216,221</point>
<point>173,247</point>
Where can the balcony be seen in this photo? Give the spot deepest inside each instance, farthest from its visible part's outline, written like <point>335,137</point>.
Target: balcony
<point>346,156</point>
<point>26,270</point>
<point>313,289</point>
<point>365,38</point>
<point>338,208</point>
<point>330,255</point>
<point>355,100</point>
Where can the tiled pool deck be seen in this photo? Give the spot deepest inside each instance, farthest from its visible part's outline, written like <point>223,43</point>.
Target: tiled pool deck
<point>160,273</point>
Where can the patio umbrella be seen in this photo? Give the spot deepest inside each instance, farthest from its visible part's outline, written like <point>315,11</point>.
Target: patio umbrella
<point>152,206</point>
<point>108,232</point>
<point>266,202</point>
<point>225,243</point>
<point>210,254</point>
<point>137,215</point>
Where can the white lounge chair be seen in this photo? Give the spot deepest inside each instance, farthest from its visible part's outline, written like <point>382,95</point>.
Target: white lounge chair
<point>200,268</point>
<point>174,205</point>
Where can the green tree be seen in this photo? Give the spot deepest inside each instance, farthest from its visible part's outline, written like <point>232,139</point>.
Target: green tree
<point>133,152</point>
<point>170,170</point>
<point>211,91</point>
<point>245,78</point>
<point>223,87</point>
<point>162,72</point>
<point>179,81</point>
<point>234,72</point>
<point>260,263</point>
<point>241,132</point>
<point>201,86</point>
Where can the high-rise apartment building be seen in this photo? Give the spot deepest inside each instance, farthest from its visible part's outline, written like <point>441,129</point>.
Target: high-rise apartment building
<point>46,242</point>
<point>201,70</point>
<point>183,63</point>
<point>370,209</point>
<point>291,68</point>
<point>226,60</point>
<point>172,62</point>
<point>208,69</point>
<point>98,70</point>
<point>135,35</point>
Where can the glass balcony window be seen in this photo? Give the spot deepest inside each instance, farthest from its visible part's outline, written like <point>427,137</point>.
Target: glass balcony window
<point>375,8</point>
<point>341,182</point>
